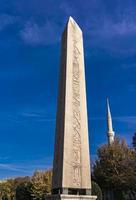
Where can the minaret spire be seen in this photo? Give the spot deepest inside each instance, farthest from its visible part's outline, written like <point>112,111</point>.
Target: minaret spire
<point>110,132</point>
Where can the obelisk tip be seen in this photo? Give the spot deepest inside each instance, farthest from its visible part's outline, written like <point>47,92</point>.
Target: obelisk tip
<point>74,23</point>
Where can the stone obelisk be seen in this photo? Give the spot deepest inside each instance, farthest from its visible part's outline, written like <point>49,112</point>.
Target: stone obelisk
<point>110,132</point>
<point>71,167</point>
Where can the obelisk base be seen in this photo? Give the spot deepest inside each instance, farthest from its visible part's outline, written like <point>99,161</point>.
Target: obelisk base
<point>70,197</point>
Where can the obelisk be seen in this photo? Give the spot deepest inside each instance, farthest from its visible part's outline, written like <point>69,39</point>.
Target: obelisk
<point>71,167</point>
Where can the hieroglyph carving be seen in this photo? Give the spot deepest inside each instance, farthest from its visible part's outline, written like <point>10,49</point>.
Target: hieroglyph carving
<point>76,113</point>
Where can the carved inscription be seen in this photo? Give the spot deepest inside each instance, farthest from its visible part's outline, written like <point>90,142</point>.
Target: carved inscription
<point>76,113</point>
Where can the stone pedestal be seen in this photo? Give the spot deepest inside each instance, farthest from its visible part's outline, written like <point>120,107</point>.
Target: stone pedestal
<point>70,197</point>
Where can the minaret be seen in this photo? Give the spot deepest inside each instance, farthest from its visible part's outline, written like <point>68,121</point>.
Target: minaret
<point>110,132</point>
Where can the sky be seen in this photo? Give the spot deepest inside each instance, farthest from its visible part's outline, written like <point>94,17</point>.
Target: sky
<point>30,34</point>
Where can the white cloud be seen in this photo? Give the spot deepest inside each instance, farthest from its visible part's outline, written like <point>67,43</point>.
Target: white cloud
<point>126,119</point>
<point>26,167</point>
<point>68,8</point>
<point>12,167</point>
<point>6,20</point>
<point>115,33</point>
<point>124,27</point>
<point>35,34</point>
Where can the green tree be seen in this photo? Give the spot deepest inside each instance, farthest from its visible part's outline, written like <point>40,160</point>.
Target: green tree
<point>134,141</point>
<point>96,190</point>
<point>23,191</point>
<point>115,168</point>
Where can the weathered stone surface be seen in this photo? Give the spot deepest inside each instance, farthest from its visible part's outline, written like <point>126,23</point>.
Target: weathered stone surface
<point>70,197</point>
<point>71,167</point>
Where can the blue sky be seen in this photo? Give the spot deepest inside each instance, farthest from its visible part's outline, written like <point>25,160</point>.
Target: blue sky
<point>30,33</point>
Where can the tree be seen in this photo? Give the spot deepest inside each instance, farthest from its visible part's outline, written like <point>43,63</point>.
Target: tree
<point>6,190</point>
<point>115,168</point>
<point>41,184</point>
<point>28,188</point>
<point>96,190</point>
<point>23,191</point>
<point>23,188</point>
<point>134,141</point>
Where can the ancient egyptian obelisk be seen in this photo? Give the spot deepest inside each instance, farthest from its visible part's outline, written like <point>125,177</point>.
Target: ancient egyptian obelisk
<point>71,167</point>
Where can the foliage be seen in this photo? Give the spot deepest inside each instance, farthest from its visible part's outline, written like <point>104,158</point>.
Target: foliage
<point>96,190</point>
<point>7,190</point>
<point>28,188</point>
<point>23,190</point>
<point>134,141</point>
<point>41,184</point>
<point>116,167</point>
